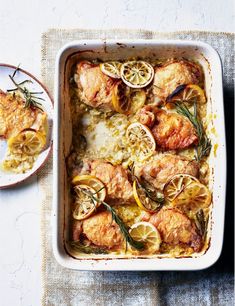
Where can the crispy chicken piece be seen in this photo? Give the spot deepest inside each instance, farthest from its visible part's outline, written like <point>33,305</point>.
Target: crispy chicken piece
<point>163,166</point>
<point>102,230</point>
<point>168,77</point>
<point>176,228</point>
<point>170,130</point>
<point>95,87</point>
<point>115,178</point>
<point>14,117</point>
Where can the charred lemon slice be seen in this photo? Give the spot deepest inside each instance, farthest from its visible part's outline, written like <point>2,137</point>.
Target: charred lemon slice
<point>121,98</point>
<point>28,142</point>
<point>188,94</point>
<point>144,199</point>
<point>176,185</point>
<point>93,182</point>
<point>141,141</point>
<point>85,205</point>
<point>137,74</point>
<point>193,197</point>
<point>112,69</point>
<point>148,234</point>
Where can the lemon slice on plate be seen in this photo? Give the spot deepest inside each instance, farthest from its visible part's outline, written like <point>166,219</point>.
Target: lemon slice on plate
<point>112,69</point>
<point>148,234</point>
<point>193,197</point>
<point>137,74</point>
<point>177,184</point>
<point>144,200</point>
<point>141,141</point>
<point>93,182</point>
<point>29,142</point>
<point>85,205</point>
<point>188,94</point>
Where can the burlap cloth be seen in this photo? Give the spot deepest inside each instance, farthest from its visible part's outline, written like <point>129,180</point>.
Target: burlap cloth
<point>61,286</point>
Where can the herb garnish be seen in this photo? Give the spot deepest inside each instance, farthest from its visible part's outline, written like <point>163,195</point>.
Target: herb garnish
<point>136,244</point>
<point>87,249</point>
<point>148,190</point>
<point>204,144</point>
<point>30,97</point>
<point>201,223</point>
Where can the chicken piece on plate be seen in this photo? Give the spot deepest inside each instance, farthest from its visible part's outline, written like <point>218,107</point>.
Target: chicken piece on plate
<point>94,86</point>
<point>163,166</point>
<point>102,230</point>
<point>168,77</point>
<point>176,228</point>
<point>14,117</point>
<point>115,178</point>
<point>170,130</point>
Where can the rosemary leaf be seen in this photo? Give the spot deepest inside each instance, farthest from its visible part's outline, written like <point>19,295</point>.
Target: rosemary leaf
<point>201,223</point>
<point>29,97</point>
<point>204,144</point>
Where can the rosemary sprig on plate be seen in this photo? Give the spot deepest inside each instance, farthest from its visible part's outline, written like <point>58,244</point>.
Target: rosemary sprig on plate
<point>30,97</point>
<point>204,144</point>
<point>124,230</point>
<point>87,249</point>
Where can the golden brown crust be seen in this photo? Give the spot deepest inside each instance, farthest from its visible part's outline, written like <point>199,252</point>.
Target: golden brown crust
<point>178,72</point>
<point>94,86</point>
<point>163,166</point>
<point>14,117</point>
<point>102,230</point>
<point>176,228</point>
<point>115,178</point>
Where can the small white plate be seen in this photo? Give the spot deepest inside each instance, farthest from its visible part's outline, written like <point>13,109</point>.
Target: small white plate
<point>8,179</point>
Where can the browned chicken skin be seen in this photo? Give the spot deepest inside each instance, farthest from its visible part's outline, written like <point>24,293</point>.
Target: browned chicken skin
<point>159,170</point>
<point>95,87</point>
<point>170,130</point>
<point>176,228</point>
<point>14,117</point>
<point>168,77</point>
<point>115,178</point>
<point>102,230</point>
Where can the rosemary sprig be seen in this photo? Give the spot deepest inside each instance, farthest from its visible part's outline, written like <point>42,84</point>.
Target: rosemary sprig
<point>30,97</point>
<point>204,144</point>
<point>136,244</point>
<point>87,249</point>
<point>149,191</point>
<point>201,223</point>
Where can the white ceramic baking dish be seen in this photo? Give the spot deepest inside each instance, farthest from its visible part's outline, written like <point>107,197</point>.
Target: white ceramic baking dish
<point>106,50</point>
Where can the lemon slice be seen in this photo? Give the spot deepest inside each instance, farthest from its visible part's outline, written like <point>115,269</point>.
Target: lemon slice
<point>84,204</point>
<point>112,69</point>
<point>29,142</point>
<point>187,94</point>
<point>141,141</point>
<point>137,74</point>
<point>193,197</point>
<point>143,200</point>
<point>93,182</point>
<point>121,98</point>
<point>148,234</point>
<point>176,185</point>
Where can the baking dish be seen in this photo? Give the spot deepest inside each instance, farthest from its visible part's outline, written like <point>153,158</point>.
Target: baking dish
<point>106,50</point>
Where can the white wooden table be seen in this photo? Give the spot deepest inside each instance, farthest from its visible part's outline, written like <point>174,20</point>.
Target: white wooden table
<point>21,25</point>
